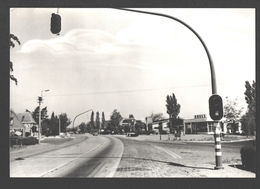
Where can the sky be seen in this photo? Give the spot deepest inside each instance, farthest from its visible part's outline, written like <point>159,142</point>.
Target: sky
<point>107,59</point>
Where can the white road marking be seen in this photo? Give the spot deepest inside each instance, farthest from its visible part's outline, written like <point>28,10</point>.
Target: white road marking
<point>110,167</point>
<point>168,152</point>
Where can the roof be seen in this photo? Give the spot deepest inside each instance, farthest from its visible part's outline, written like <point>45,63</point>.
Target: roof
<point>26,117</point>
<point>127,121</point>
<point>161,121</point>
<point>15,123</point>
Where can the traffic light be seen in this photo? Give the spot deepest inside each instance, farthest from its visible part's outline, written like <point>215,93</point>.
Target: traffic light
<point>215,107</point>
<point>55,23</point>
<point>40,99</point>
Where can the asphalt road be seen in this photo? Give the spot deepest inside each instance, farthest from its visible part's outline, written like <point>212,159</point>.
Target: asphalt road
<point>121,156</point>
<point>97,156</point>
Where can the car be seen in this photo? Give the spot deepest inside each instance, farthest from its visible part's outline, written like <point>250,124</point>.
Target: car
<point>131,134</point>
<point>95,134</point>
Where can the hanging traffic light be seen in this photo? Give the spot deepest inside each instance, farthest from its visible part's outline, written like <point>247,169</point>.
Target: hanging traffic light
<point>215,107</point>
<point>55,23</point>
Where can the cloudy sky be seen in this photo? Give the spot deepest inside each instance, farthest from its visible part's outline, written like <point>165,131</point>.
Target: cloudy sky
<point>106,59</point>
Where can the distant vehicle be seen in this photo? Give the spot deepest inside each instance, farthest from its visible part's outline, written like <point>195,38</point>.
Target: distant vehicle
<point>95,134</point>
<point>131,134</point>
<point>106,132</point>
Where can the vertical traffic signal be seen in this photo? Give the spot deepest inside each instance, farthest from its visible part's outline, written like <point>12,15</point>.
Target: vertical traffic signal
<point>215,107</point>
<point>39,99</point>
<point>55,23</point>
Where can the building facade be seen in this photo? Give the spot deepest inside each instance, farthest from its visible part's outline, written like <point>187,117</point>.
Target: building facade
<point>165,128</point>
<point>16,126</point>
<point>31,128</point>
<point>203,124</point>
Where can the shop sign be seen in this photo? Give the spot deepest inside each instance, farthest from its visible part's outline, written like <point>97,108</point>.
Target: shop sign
<point>200,116</point>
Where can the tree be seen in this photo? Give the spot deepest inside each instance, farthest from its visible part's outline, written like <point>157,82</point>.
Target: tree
<point>83,127</point>
<point>173,108</point>
<point>156,116</point>
<point>232,112</point>
<point>13,38</point>
<point>248,123</point>
<point>115,118</point>
<point>35,114</point>
<point>103,120</point>
<point>88,127</point>
<point>97,121</point>
<point>92,123</point>
<point>46,127</point>
<point>44,112</point>
<point>64,122</point>
<point>250,97</point>
<point>131,116</point>
<point>248,120</point>
<point>54,124</point>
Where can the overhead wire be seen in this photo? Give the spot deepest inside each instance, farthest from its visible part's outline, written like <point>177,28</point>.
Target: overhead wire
<point>134,90</point>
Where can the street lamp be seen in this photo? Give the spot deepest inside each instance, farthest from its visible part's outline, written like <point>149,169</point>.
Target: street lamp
<point>39,129</point>
<point>77,116</point>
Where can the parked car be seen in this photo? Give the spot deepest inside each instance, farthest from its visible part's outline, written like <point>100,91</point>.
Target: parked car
<point>95,134</point>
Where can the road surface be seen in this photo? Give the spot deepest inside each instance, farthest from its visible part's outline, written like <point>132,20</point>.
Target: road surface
<point>142,158</point>
<point>121,156</point>
<point>96,156</point>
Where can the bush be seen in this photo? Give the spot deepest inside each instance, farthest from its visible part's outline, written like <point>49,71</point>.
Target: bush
<point>13,140</point>
<point>164,132</point>
<point>140,132</point>
<point>27,141</point>
<point>248,157</point>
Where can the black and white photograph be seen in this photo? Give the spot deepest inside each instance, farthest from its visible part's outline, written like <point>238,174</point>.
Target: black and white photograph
<point>132,92</point>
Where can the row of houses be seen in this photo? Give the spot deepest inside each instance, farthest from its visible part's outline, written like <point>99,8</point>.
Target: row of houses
<point>23,124</point>
<point>200,124</point>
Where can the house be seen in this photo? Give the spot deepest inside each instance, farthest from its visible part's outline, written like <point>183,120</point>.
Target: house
<point>16,126</point>
<point>31,128</point>
<point>229,127</point>
<point>164,122</point>
<point>128,124</point>
<point>202,124</point>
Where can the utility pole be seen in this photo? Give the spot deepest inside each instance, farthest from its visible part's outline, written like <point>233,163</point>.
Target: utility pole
<point>39,129</point>
<point>59,126</point>
<point>40,101</point>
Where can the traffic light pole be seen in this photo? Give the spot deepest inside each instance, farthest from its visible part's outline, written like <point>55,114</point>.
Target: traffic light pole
<point>218,153</point>
<point>212,70</point>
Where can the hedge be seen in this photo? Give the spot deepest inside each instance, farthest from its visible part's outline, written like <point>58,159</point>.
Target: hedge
<point>248,157</point>
<point>23,141</point>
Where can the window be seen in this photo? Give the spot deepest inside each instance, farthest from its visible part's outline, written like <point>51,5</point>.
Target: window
<point>211,127</point>
<point>11,121</point>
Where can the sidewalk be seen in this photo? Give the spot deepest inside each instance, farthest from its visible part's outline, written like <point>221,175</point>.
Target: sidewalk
<point>193,138</point>
<point>24,151</point>
<point>192,171</point>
